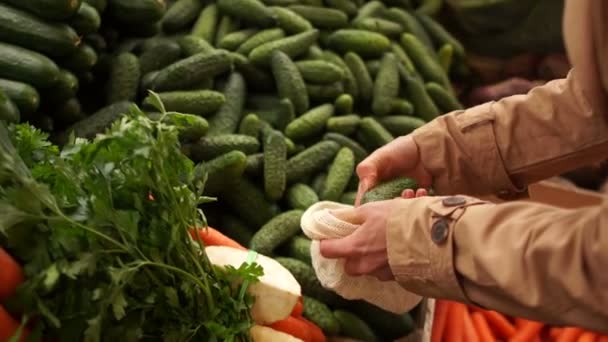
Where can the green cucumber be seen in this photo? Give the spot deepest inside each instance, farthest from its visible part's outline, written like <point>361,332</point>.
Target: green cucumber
<point>125,75</point>
<point>344,104</point>
<point>159,56</point>
<point>289,81</point>
<point>212,147</point>
<point>65,88</point>
<point>253,12</point>
<point>401,124</point>
<point>362,42</point>
<point>346,124</point>
<point>134,12</point>
<point>311,160</point>
<point>181,15</point>
<point>339,173</point>
<point>310,123</point>
<point>373,66</point>
<point>248,202</point>
<point>424,107</point>
<point>87,20</point>
<point>276,232</point>
<point>28,31</point>
<point>353,326</point>
<point>349,197</point>
<point>232,41</point>
<point>410,24</point>
<point>442,98</point>
<point>349,81</point>
<point>261,37</point>
<point>319,71</point>
<point>402,107</point>
<point>386,85</point>
<point>8,109</point>
<point>293,46</point>
<point>372,8</point>
<point>291,21</point>
<point>389,190</point>
<point>191,71</point>
<point>236,229</point>
<point>347,6</point>
<point>383,26</point>
<point>192,45</point>
<point>226,25</point>
<point>325,92</point>
<point>23,95</point>
<point>190,127</point>
<point>223,171</point>
<point>321,315</point>
<point>255,165</point>
<point>318,182</point>
<point>82,60</point>
<point>373,134</point>
<point>440,35</point>
<point>445,55</point>
<point>68,112</point>
<point>206,23</point>
<point>425,63</point>
<point>19,64</point>
<point>402,57</point>
<point>48,9</point>
<point>344,141</point>
<point>299,248</point>
<point>199,102</point>
<point>429,7</point>
<point>361,75</point>
<point>275,165</point>
<point>322,17</point>
<point>228,116</point>
<point>250,125</point>
<point>99,5</point>
<point>306,277</point>
<point>301,196</point>
<point>254,75</point>
<point>389,326</point>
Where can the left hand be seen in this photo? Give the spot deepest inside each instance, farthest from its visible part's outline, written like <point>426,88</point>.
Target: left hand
<point>365,250</point>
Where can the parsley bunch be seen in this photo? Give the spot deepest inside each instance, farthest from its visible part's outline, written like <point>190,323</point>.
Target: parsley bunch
<point>102,231</point>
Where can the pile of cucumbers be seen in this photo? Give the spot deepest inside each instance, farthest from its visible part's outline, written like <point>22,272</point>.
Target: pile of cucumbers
<point>280,100</point>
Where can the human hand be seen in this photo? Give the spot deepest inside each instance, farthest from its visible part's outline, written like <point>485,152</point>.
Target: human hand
<point>365,250</point>
<point>399,158</point>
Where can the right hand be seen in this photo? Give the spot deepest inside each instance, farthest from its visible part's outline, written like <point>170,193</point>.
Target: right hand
<point>400,157</point>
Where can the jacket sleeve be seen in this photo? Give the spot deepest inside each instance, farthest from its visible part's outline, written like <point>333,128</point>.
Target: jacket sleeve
<point>500,147</point>
<point>521,258</point>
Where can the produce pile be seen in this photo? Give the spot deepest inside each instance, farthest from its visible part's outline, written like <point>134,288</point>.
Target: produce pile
<point>281,99</point>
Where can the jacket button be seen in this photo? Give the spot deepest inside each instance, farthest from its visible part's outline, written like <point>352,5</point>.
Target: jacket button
<point>440,230</point>
<point>453,201</point>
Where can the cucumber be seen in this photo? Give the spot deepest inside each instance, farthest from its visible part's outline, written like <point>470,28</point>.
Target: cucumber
<point>48,9</point>
<point>159,56</point>
<point>250,125</point>
<point>133,12</point>
<point>318,182</point>
<point>255,165</point>
<point>410,24</point>
<point>199,102</point>
<point>301,196</point>
<point>293,46</point>
<point>254,75</point>
<point>191,71</point>
<point>68,112</point>
<point>190,127</point>
<point>373,134</point>
<point>325,92</point>
<point>383,26</point>
<point>320,314</point>
<point>65,88</point>
<point>425,63</point>
<point>344,104</point>
<point>142,30</point>
<point>310,123</point>
<point>346,125</point>
<point>389,190</point>
<point>372,8</point>
<point>125,75</point>
<point>99,5</point>
<point>236,229</point>
<point>372,67</point>
<point>349,198</point>
<point>442,98</point>
<point>192,45</point>
<point>299,248</point>
<point>424,106</point>
<point>401,124</point>
<point>402,107</point>
<point>403,57</point>
<point>275,165</point>
<point>96,123</point>
<point>28,31</point>
<point>9,112</point>
<point>429,7</point>
<point>386,85</point>
<point>362,42</point>
<point>87,20</point>
<point>234,40</point>
<point>340,172</point>
<point>276,232</point>
<point>212,147</point>
<point>181,15</point>
<point>23,95</point>
<point>311,160</point>
<point>248,202</point>
<point>319,71</point>
<point>349,81</point>
<point>321,17</point>
<point>206,23</point>
<point>361,75</point>
<point>353,326</point>
<point>261,37</point>
<point>223,171</point>
<point>344,141</point>
<point>290,21</point>
<point>389,326</point>
<point>315,52</point>
<point>227,118</point>
<point>445,55</point>
<point>347,6</point>
<point>82,60</point>
<point>226,25</point>
<point>253,12</point>
<point>279,117</point>
<point>289,81</point>
<point>440,35</point>
<point>19,64</point>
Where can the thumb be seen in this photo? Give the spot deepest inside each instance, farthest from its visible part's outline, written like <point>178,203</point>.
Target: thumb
<point>337,248</point>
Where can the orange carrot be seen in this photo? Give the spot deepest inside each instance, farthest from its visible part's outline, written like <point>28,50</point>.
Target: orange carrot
<point>470,335</point>
<point>570,334</point>
<point>294,327</point>
<point>481,326</point>
<point>588,337</point>
<point>602,338</point>
<point>501,324</point>
<point>527,332</point>
<point>519,322</point>
<point>298,309</point>
<point>316,333</point>
<point>439,321</point>
<point>9,326</point>
<point>10,276</point>
<point>213,237</point>
<point>554,332</point>
<point>454,328</point>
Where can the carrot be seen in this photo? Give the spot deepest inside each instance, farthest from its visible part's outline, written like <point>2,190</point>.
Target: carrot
<point>501,324</point>
<point>602,338</point>
<point>570,334</point>
<point>294,327</point>
<point>439,321</point>
<point>554,332</point>
<point>316,333</point>
<point>298,309</point>
<point>470,335</point>
<point>9,327</point>
<point>588,337</point>
<point>213,237</point>
<point>528,331</point>
<point>10,276</point>
<point>482,327</point>
<point>519,322</point>
<point>454,329</point>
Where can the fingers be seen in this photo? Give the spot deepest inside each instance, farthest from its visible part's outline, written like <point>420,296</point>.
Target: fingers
<point>337,248</point>
<point>350,215</point>
<point>421,193</point>
<point>376,267</point>
<point>409,193</point>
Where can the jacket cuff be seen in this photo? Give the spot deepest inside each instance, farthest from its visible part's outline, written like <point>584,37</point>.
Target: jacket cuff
<point>420,245</point>
<point>460,151</point>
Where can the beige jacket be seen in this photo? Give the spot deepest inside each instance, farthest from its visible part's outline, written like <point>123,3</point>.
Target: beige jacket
<point>520,258</point>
